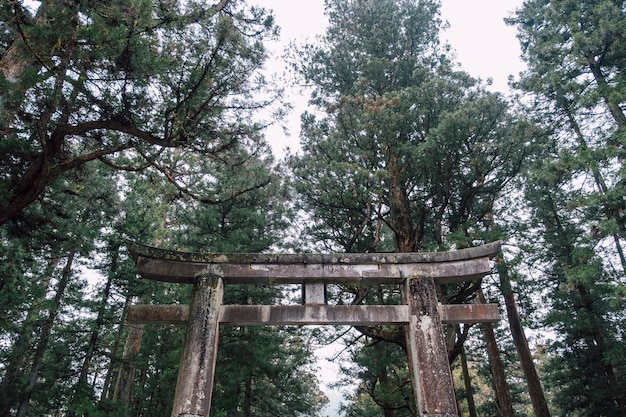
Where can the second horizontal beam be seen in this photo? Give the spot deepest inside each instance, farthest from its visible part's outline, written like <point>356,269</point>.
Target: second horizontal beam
<point>354,315</point>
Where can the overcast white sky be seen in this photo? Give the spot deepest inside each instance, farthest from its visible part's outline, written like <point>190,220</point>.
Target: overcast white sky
<point>485,46</point>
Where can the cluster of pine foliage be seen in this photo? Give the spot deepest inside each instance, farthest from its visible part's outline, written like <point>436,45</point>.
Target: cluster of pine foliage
<point>145,119</point>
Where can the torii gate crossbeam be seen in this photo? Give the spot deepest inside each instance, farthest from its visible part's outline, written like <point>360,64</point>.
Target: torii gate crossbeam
<point>417,273</point>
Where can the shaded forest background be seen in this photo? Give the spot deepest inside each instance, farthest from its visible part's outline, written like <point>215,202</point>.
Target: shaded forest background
<point>145,120</point>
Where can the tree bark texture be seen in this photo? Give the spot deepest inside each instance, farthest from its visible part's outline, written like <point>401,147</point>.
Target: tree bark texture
<point>407,234</point>
<point>469,391</point>
<point>42,345</point>
<point>535,391</point>
<point>503,397</point>
<point>21,349</point>
<point>126,374</point>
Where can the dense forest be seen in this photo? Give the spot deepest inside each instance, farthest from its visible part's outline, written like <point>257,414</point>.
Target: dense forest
<point>146,120</point>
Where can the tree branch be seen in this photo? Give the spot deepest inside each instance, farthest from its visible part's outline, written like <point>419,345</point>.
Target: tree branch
<point>113,125</point>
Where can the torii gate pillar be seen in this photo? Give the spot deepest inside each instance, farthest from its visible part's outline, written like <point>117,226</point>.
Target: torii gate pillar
<point>194,386</point>
<point>421,313</point>
<point>427,353</point>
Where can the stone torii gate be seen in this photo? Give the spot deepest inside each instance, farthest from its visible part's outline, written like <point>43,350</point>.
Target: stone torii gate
<point>417,273</point>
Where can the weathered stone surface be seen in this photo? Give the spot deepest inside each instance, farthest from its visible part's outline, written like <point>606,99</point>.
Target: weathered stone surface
<point>469,313</point>
<point>138,250</point>
<point>428,358</point>
<point>422,314</point>
<point>257,315</point>
<point>349,273</point>
<point>251,315</point>
<point>158,314</point>
<point>314,292</point>
<point>194,385</point>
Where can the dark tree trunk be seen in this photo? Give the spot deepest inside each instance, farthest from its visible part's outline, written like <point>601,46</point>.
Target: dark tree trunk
<point>535,391</point>
<point>81,385</point>
<point>612,213</point>
<point>469,392</point>
<point>387,412</point>
<point>247,399</point>
<point>42,345</point>
<point>93,340</point>
<point>108,388</point>
<point>605,88</point>
<point>126,374</point>
<point>407,235</point>
<point>22,347</point>
<point>42,170</point>
<point>601,343</point>
<point>503,398</point>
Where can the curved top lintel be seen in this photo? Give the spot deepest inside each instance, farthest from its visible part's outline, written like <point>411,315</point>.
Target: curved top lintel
<point>148,252</point>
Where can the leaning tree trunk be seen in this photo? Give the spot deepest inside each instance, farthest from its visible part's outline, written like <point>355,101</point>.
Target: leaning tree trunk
<point>613,213</point>
<point>503,398</point>
<point>601,346</point>
<point>42,345</point>
<point>469,391</point>
<point>23,55</point>
<point>126,374</point>
<point>247,398</point>
<point>93,339</point>
<point>108,387</point>
<point>21,348</point>
<point>81,385</point>
<point>612,104</point>
<point>535,391</point>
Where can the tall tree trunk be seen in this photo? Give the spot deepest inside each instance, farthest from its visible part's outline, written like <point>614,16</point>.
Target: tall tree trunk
<point>599,339</point>
<point>605,92</point>
<point>469,391</point>
<point>93,340</point>
<point>22,346</point>
<point>535,391</point>
<point>503,398</point>
<point>42,345</point>
<point>594,320</point>
<point>42,170</point>
<point>407,235</point>
<point>81,388</point>
<point>22,55</point>
<point>13,62</point>
<point>124,384</point>
<point>247,396</point>
<point>108,388</point>
<point>613,214</point>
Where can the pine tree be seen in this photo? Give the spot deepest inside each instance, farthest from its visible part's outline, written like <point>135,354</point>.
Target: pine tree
<point>65,235</point>
<point>586,357</point>
<point>143,113</point>
<point>405,153</point>
<point>575,58</point>
<point>143,80</point>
